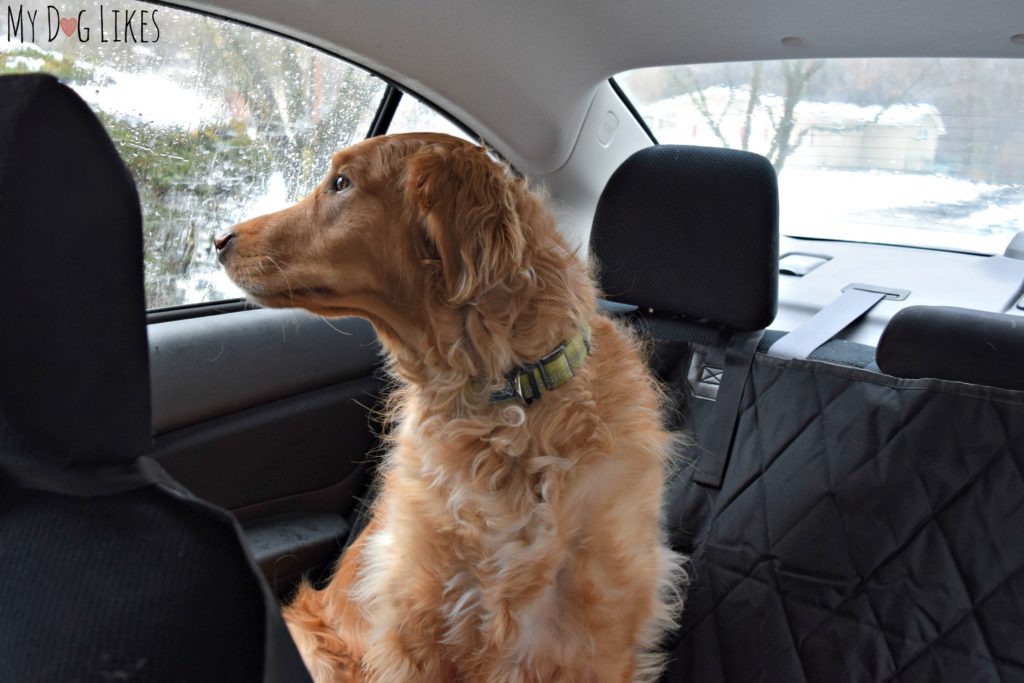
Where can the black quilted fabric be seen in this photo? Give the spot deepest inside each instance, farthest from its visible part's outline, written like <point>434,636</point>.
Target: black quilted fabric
<point>691,218</point>
<point>868,529</point>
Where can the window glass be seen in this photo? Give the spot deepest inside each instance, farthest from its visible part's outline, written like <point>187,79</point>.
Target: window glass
<point>218,122</point>
<point>922,152</point>
<point>412,116</point>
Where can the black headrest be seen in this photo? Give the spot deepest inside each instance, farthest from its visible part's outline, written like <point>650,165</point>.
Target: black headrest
<point>691,231</point>
<point>73,352</point>
<point>956,344</point>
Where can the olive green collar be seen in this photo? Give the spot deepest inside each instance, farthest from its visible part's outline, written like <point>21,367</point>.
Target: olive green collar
<point>529,381</point>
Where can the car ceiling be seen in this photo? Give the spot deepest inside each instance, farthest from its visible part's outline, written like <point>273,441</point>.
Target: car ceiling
<point>522,74</point>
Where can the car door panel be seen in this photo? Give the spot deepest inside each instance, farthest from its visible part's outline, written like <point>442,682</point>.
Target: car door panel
<point>216,365</point>
<point>272,415</point>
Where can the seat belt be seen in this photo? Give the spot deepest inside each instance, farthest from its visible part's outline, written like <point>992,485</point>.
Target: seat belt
<point>855,301</point>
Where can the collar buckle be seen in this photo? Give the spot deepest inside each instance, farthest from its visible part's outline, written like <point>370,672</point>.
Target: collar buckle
<point>527,369</point>
<point>542,364</point>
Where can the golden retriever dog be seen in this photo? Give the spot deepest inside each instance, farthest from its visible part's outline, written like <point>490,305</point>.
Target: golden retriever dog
<point>516,538</point>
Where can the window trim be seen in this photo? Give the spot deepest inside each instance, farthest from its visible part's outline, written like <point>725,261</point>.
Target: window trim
<point>200,309</point>
<point>385,111</point>
<point>631,108</point>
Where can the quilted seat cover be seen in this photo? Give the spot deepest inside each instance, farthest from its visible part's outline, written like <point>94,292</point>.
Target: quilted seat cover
<point>868,529</point>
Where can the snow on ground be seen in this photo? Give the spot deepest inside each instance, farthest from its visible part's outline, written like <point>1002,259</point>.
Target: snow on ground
<point>152,98</point>
<point>273,199</point>
<point>208,285</point>
<point>29,47</point>
<point>23,62</point>
<point>211,283</point>
<point>148,96</point>
<point>900,208</point>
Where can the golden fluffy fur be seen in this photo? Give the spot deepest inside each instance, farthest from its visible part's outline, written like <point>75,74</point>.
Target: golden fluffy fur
<point>509,543</point>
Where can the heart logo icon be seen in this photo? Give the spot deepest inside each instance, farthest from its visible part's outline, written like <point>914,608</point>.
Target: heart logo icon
<point>68,26</point>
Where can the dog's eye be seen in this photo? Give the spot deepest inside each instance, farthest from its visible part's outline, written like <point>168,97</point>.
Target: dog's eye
<point>342,183</point>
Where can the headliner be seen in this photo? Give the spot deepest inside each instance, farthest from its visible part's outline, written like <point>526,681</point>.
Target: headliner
<point>523,73</point>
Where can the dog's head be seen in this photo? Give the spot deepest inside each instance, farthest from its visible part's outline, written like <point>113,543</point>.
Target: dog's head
<point>396,222</point>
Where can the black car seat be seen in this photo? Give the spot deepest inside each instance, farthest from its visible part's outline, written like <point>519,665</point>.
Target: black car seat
<point>110,570</point>
<point>865,527</point>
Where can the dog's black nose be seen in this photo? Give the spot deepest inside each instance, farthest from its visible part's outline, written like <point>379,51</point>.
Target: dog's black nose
<point>222,239</point>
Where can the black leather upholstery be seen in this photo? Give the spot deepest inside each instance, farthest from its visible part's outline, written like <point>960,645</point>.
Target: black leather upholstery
<point>691,231</point>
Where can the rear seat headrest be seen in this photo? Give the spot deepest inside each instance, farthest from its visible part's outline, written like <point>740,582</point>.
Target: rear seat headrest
<point>691,231</point>
<point>73,355</point>
<point>956,344</point>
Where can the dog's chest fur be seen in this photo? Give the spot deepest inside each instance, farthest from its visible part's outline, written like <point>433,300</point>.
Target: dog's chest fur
<point>480,553</point>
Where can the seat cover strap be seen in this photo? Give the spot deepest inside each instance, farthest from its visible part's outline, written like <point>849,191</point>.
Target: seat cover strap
<point>825,324</point>
<point>735,357</point>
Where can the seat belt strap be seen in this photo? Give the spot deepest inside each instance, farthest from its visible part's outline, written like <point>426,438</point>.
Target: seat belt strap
<point>826,323</point>
<point>734,359</point>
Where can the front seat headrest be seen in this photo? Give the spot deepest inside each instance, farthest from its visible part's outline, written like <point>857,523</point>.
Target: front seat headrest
<point>73,354</point>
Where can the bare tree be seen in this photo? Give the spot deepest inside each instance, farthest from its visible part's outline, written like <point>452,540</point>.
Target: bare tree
<point>787,136</point>
<point>752,102</point>
<point>796,75</point>
<point>775,91</point>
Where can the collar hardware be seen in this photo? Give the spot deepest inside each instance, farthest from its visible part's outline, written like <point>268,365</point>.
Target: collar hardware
<point>528,381</point>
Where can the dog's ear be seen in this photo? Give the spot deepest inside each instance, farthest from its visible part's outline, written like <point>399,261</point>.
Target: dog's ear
<point>468,205</point>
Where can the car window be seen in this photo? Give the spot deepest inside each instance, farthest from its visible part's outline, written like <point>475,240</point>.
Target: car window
<point>217,121</point>
<point>412,115</point>
<point>921,152</point>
